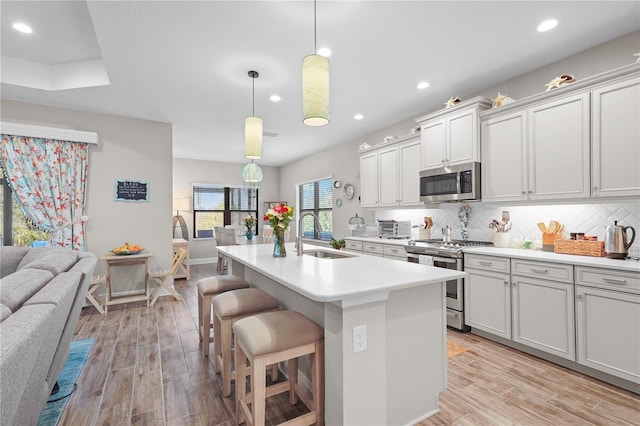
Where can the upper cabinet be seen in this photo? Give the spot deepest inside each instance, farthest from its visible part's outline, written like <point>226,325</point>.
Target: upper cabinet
<point>369,179</point>
<point>451,136</point>
<point>504,160</point>
<point>577,141</point>
<point>538,153</point>
<point>389,174</point>
<point>616,138</point>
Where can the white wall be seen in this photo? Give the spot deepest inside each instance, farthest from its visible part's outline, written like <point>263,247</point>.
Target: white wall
<point>187,172</point>
<point>342,161</point>
<point>129,149</point>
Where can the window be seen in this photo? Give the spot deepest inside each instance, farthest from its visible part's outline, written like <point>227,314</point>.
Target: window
<point>222,205</point>
<point>16,229</point>
<point>317,197</point>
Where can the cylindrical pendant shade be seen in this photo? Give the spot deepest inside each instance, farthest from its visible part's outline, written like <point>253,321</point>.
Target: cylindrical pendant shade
<point>315,90</point>
<point>252,175</point>
<point>253,138</point>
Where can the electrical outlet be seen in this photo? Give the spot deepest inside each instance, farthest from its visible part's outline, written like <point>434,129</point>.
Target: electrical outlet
<point>359,339</point>
<point>634,250</point>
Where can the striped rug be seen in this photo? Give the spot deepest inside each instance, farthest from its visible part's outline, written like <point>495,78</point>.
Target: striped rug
<point>67,380</point>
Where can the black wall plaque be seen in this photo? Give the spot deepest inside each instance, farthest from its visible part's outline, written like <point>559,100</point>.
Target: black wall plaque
<point>134,191</point>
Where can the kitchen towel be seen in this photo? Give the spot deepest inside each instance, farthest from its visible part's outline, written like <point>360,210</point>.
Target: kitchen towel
<point>425,260</point>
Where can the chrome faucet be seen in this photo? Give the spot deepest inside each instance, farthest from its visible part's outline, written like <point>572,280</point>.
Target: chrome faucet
<point>316,224</point>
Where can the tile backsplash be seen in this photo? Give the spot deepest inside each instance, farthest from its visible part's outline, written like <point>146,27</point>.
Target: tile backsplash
<point>588,218</point>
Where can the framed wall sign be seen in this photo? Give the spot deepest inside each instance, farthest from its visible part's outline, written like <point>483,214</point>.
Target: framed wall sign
<point>131,191</point>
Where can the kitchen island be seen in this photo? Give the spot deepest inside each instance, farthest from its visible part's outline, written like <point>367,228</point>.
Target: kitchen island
<point>397,378</point>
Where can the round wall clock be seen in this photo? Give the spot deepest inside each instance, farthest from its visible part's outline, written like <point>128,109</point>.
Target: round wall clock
<point>337,184</point>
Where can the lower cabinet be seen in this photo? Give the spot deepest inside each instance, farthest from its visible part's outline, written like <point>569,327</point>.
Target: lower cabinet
<point>523,308</point>
<point>608,328</point>
<point>388,251</point>
<point>353,246</point>
<point>543,315</point>
<point>488,302</point>
<point>373,249</point>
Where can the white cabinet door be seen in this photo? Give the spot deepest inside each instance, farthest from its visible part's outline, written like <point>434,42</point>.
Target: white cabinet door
<point>488,302</point>
<point>369,180</point>
<point>608,328</point>
<point>543,315</point>
<point>616,139</point>
<point>409,173</point>
<point>504,169</point>
<point>462,138</point>
<point>388,178</point>
<point>559,149</point>
<point>432,137</point>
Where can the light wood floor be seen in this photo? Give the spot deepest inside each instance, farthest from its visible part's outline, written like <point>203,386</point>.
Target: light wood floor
<point>146,368</point>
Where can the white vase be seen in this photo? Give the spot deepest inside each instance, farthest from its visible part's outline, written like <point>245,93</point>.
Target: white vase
<point>502,239</point>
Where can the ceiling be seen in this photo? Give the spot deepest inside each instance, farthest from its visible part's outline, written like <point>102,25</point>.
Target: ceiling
<point>186,62</point>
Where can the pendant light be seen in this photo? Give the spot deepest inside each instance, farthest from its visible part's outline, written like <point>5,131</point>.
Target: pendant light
<point>315,84</point>
<point>253,126</point>
<point>252,175</point>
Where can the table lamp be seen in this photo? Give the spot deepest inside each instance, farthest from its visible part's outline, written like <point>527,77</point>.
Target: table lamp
<point>180,204</point>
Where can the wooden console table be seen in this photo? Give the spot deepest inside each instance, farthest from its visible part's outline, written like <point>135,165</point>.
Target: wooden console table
<point>113,261</point>
<point>184,269</point>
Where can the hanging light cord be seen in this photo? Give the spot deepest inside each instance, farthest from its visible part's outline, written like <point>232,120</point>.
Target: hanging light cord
<point>315,31</point>
<point>253,96</point>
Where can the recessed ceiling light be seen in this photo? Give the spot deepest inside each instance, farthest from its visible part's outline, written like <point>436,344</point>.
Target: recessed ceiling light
<point>358,117</point>
<point>423,85</point>
<point>547,25</point>
<point>324,51</point>
<point>23,28</point>
<point>275,98</point>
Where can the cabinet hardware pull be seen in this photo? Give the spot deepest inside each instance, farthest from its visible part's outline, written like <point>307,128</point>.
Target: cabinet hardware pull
<point>484,263</point>
<point>539,271</point>
<point>506,282</point>
<point>614,281</point>
<point>524,193</point>
<point>578,296</point>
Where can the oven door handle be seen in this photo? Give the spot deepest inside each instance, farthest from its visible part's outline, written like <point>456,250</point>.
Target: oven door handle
<point>445,259</point>
<point>435,258</point>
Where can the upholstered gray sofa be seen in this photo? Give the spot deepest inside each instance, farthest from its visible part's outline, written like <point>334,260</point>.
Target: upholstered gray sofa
<point>42,291</point>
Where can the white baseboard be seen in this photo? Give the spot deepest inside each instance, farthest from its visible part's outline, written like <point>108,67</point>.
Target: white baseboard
<point>203,260</point>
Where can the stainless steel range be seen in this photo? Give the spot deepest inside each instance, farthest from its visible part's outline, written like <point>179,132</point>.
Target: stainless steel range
<point>445,255</point>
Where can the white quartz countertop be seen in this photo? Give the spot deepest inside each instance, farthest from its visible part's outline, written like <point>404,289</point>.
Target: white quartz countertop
<point>547,256</point>
<point>333,280</point>
<point>391,241</point>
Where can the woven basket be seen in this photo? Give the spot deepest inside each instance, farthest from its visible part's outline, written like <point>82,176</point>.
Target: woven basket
<point>579,247</point>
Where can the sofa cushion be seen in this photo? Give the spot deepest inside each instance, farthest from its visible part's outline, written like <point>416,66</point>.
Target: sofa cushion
<point>16,288</point>
<point>21,333</point>
<point>55,260</point>
<point>4,312</point>
<point>61,288</point>
<point>11,257</point>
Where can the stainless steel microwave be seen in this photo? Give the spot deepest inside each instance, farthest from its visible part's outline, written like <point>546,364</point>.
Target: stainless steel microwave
<point>452,183</point>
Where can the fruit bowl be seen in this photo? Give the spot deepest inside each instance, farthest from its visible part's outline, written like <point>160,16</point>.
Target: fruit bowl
<point>125,252</point>
<point>127,249</point>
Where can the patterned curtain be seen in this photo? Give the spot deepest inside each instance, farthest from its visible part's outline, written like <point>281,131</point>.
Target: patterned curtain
<point>49,179</point>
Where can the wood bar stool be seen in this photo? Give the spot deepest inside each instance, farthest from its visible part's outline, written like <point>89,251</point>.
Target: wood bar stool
<point>228,308</point>
<point>207,289</point>
<point>270,338</point>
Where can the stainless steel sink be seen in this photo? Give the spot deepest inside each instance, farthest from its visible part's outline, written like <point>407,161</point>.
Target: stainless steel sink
<point>322,254</point>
